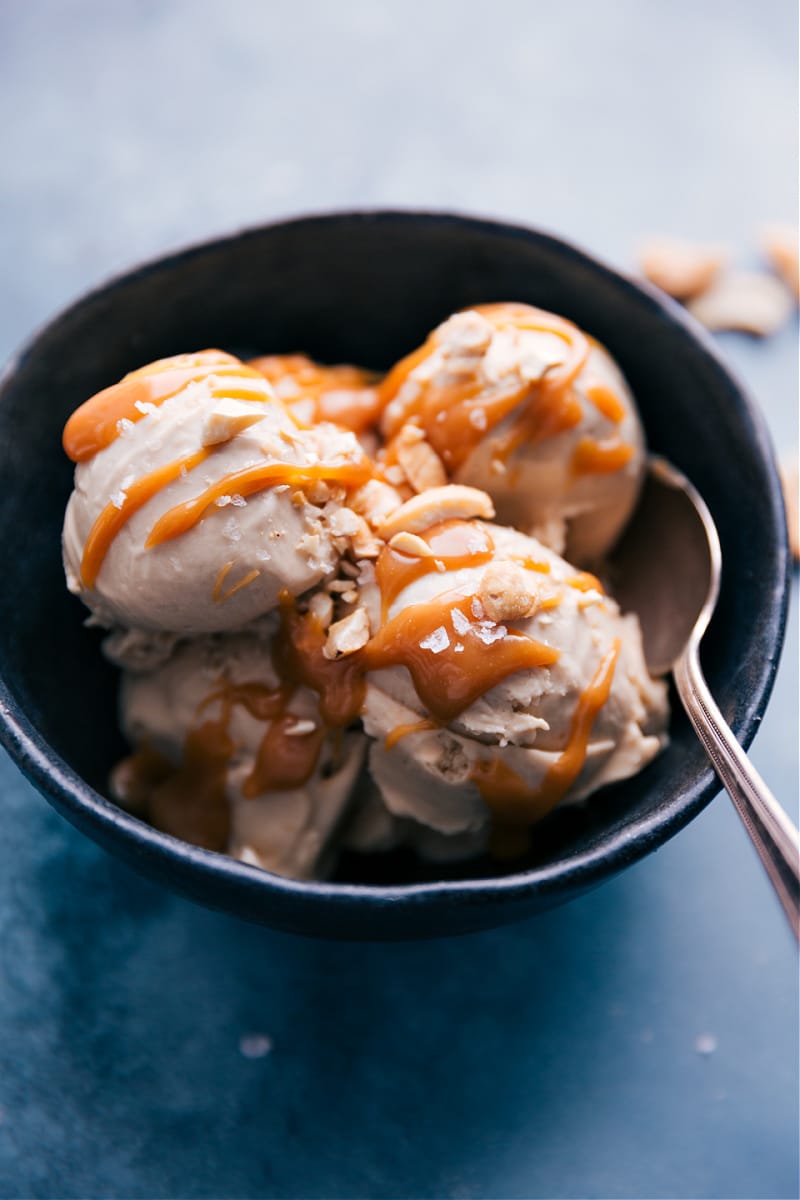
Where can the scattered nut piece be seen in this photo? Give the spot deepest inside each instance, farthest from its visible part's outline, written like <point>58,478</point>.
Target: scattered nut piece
<point>321,606</point>
<point>505,592</point>
<point>343,522</point>
<point>748,301</point>
<point>229,418</point>
<point>422,466</point>
<point>364,542</point>
<point>410,544</point>
<point>779,245</point>
<point>681,268</point>
<point>437,504</point>
<point>789,479</point>
<point>375,501</point>
<point>347,635</point>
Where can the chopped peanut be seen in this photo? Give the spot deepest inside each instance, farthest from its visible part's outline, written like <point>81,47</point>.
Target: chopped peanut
<point>410,544</point>
<point>505,592</point>
<point>779,245</point>
<point>749,301</point>
<point>437,504</point>
<point>681,268</point>
<point>347,635</point>
<point>422,466</point>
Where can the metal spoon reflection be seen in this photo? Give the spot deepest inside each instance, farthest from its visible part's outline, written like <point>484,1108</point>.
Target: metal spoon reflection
<point>667,570</point>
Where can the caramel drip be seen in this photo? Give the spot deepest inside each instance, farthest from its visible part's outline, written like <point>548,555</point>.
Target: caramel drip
<point>451,670</point>
<point>531,564</point>
<point>284,760</point>
<point>607,403</point>
<point>298,659</point>
<point>96,424</point>
<point>453,544</point>
<point>113,517</point>
<point>249,480</point>
<point>343,394</point>
<point>190,801</point>
<point>593,457</point>
<point>401,731</point>
<point>457,416</point>
<point>584,581</point>
<point>511,801</point>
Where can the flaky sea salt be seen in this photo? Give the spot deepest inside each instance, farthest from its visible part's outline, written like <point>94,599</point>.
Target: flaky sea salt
<point>460,622</point>
<point>489,633</point>
<point>437,641</point>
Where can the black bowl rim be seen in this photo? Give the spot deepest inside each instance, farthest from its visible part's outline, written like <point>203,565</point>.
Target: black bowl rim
<point>82,805</point>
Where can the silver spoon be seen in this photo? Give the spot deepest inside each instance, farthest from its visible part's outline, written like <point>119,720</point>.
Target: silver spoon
<point>667,570</point>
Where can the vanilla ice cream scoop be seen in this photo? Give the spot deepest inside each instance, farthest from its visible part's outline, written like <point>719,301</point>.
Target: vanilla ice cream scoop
<point>521,403</point>
<point>501,681</point>
<point>199,498</point>
<point>230,757</point>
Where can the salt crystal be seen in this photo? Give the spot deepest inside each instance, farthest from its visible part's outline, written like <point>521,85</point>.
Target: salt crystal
<point>460,622</point>
<point>477,608</point>
<point>223,501</point>
<point>458,648</point>
<point>119,498</point>
<point>437,641</point>
<point>478,418</point>
<point>124,426</point>
<point>238,501</point>
<point>489,633</point>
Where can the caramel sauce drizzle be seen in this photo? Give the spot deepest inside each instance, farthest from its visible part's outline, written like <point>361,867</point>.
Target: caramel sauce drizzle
<point>510,799</point>
<point>607,402</point>
<point>343,394</point>
<point>604,457</point>
<point>454,544</point>
<point>470,409</point>
<point>464,668</point>
<point>96,424</point>
<point>113,517</point>
<point>188,801</point>
<point>249,480</point>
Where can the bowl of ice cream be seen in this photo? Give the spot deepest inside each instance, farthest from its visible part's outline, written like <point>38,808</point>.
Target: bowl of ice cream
<point>348,671</point>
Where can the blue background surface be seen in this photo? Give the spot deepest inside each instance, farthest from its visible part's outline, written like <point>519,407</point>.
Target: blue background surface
<point>557,1058</point>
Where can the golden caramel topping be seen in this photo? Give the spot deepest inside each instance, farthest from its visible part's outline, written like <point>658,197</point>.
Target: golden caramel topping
<point>453,544</point>
<point>593,457</point>
<point>452,654</point>
<point>607,403</point>
<point>343,394</point>
<point>457,415</point>
<point>249,480</point>
<point>96,424</point>
<point>115,515</point>
<point>512,803</point>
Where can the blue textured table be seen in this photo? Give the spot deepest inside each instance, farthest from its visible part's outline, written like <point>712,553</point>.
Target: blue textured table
<point>641,1042</point>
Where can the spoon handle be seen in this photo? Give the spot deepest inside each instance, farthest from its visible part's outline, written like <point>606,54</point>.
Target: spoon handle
<point>771,831</point>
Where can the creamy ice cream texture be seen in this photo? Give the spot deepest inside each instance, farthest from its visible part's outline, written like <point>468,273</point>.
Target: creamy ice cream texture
<point>576,710</point>
<point>231,759</point>
<point>272,589</point>
<point>523,404</point>
<point>198,498</point>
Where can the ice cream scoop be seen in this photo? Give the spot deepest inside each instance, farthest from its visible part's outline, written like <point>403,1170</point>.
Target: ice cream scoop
<point>199,498</point>
<point>523,404</point>
<point>231,757</point>
<point>502,681</point>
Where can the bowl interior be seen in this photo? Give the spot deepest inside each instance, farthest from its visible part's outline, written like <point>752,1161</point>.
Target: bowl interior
<point>366,289</point>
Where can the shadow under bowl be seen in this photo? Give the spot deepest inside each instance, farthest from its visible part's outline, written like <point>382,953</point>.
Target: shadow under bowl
<point>367,288</point>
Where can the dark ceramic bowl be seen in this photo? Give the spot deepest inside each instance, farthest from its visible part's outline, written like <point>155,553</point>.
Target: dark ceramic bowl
<point>366,288</point>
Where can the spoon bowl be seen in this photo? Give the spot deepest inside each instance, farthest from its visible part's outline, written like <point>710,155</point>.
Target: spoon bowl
<point>667,570</point>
